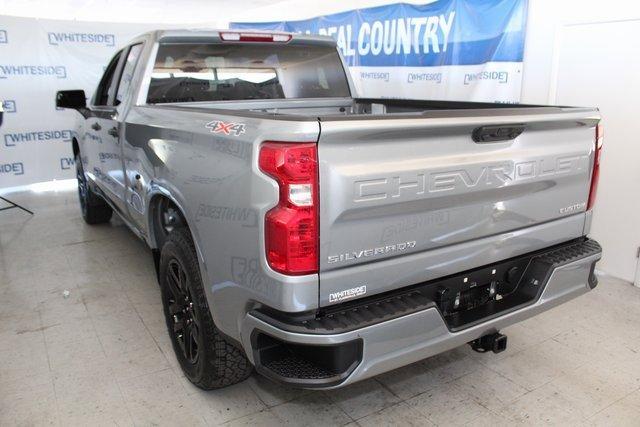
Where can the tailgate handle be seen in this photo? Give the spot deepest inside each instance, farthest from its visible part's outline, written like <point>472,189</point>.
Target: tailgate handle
<point>496,133</point>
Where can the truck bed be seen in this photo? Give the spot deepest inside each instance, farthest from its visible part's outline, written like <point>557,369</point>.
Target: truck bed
<point>347,108</point>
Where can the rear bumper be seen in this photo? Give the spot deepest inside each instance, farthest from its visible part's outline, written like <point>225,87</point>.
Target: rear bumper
<point>380,347</point>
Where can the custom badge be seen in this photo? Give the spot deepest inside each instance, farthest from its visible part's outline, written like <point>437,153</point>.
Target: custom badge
<point>216,126</point>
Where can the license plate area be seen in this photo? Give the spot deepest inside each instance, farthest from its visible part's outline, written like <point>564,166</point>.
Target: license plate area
<point>475,288</point>
<point>487,292</point>
<point>476,294</point>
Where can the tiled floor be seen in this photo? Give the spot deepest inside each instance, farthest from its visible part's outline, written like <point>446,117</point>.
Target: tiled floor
<point>102,355</point>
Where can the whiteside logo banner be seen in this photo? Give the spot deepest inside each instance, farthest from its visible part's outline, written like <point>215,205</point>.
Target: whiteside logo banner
<point>56,38</point>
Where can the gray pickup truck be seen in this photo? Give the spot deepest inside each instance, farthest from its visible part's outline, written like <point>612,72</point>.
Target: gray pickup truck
<point>323,238</point>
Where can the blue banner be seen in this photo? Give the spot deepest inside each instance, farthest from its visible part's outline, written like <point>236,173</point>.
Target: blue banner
<point>446,32</point>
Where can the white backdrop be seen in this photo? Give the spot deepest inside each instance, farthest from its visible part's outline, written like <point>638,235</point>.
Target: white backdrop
<point>37,58</point>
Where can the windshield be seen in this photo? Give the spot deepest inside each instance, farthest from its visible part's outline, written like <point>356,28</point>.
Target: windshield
<point>223,72</point>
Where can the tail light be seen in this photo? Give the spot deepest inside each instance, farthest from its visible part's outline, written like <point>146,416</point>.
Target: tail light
<point>233,36</point>
<point>595,176</point>
<point>291,228</point>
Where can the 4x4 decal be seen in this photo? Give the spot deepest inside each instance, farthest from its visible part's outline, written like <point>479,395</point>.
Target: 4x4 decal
<point>235,129</point>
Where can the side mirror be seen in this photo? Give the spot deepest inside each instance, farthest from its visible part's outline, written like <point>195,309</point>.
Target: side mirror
<point>74,99</point>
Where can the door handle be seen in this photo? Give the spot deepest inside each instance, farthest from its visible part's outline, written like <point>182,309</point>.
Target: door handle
<point>496,133</point>
<point>96,126</point>
<point>113,132</point>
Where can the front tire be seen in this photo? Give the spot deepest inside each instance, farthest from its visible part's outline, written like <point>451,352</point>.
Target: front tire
<point>206,357</point>
<point>94,209</point>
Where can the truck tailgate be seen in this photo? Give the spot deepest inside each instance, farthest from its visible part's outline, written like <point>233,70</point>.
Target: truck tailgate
<point>409,199</point>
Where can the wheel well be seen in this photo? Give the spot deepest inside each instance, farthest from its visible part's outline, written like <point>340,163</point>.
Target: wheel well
<point>158,206</point>
<point>162,210</point>
<point>75,147</point>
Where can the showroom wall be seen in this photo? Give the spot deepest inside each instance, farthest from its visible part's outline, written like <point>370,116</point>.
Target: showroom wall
<point>37,58</point>
<point>583,52</point>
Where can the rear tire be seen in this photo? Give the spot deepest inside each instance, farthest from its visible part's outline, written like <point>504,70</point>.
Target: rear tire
<point>94,209</point>
<point>207,358</point>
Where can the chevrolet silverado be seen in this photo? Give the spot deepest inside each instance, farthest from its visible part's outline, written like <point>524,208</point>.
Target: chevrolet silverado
<point>321,237</point>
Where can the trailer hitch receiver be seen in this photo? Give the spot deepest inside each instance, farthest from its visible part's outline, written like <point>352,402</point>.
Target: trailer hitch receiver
<point>492,342</point>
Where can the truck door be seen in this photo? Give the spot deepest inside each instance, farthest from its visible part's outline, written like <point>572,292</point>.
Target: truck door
<point>116,128</point>
<point>102,146</point>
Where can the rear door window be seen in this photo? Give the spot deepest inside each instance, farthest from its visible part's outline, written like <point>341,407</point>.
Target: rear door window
<point>107,83</point>
<point>127,72</point>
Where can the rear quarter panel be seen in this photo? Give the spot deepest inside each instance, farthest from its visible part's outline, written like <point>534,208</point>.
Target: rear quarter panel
<point>214,179</point>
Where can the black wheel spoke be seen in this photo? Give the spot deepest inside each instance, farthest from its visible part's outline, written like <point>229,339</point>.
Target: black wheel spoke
<point>194,335</point>
<point>174,282</point>
<point>183,281</point>
<point>175,291</point>
<point>178,327</point>
<point>175,274</point>
<point>180,307</point>
<point>181,338</point>
<point>194,342</point>
<point>188,348</point>
<point>195,321</point>
<point>194,318</point>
